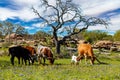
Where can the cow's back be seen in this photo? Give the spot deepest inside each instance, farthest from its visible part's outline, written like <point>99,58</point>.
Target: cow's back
<point>46,51</point>
<point>15,51</point>
<point>31,50</point>
<point>85,49</point>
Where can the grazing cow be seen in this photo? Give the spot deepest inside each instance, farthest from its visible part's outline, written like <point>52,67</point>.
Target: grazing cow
<point>45,53</point>
<point>20,52</point>
<point>74,59</point>
<point>32,53</point>
<point>85,50</point>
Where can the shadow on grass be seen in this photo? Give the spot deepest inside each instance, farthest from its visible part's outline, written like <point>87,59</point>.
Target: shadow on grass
<point>102,63</point>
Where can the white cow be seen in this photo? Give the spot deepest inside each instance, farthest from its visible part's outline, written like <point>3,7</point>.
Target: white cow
<point>74,59</point>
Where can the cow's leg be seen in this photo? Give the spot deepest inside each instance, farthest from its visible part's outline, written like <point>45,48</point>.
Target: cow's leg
<point>44,60</point>
<point>12,60</point>
<point>29,61</point>
<point>85,58</point>
<point>92,59</point>
<point>22,60</point>
<point>18,60</point>
<point>39,60</point>
<point>25,61</point>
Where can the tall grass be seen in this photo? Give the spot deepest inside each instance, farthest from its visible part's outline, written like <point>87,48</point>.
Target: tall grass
<point>62,70</point>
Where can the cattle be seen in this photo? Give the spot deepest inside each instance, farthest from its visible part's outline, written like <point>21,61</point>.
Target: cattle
<point>85,51</point>
<point>32,51</point>
<point>21,53</point>
<point>45,53</point>
<point>74,59</point>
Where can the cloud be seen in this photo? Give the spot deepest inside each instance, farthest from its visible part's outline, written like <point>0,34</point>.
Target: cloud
<point>28,27</point>
<point>115,22</point>
<point>6,13</point>
<point>96,7</point>
<point>24,12</point>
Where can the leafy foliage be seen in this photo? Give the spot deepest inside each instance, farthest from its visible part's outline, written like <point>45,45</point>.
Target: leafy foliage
<point>117,36</point>
<point>93,36</point>
<point>8,28</point>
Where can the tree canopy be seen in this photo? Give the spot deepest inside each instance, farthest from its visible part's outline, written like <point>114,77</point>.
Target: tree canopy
<point>117,35</point>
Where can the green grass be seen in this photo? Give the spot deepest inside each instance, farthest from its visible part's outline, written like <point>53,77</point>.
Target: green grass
<point>62,70</point>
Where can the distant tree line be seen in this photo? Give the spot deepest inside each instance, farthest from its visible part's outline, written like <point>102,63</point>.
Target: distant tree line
<point>7,28</point>
<point>90,36</point>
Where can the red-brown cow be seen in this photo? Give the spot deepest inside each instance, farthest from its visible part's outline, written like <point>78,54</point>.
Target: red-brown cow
<point>32,52</point>
<point>45,53</point>
<point>85,50</point>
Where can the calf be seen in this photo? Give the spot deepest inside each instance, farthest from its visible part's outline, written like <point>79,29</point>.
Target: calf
<point>45,53</point>
<point>74,59</point>
<point>85,50</point>
<point>19,52</point>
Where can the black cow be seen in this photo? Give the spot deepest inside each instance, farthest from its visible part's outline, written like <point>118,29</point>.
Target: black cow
<point>20,52</point>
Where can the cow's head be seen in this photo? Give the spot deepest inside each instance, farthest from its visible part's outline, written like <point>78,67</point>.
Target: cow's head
<point>51,59</point>
<point>79,58</point>
<point>34,58</point>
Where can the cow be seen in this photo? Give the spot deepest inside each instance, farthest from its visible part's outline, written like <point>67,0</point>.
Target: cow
<point>74,59</point>
<point>45,53</point>
<point>21,53</point>
<point>32,53</point>
<point>85,51</point>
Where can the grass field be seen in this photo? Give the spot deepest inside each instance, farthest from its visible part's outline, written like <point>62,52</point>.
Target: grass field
<point>63,70</point>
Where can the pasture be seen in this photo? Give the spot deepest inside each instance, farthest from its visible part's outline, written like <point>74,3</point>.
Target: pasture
<point>63,70</point>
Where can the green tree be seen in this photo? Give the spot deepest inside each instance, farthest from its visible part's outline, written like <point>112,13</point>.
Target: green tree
<point>41,34</point>
<point>8,28</point>
<point>117,36</point>
<point>65,17</point>
<point>93,36</point>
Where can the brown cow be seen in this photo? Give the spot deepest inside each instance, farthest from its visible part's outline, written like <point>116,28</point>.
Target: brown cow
<point>85,50</point>
<point>31,49</point>
<point>32,52</point>
<point>45,53</point>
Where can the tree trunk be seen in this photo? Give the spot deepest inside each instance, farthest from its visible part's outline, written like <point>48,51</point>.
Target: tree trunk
<point>57,43</point>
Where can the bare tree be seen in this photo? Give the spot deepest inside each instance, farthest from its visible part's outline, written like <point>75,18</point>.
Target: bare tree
<point>65,17</point>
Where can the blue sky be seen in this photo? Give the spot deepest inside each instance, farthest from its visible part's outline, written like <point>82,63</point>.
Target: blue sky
<point>19,12</point>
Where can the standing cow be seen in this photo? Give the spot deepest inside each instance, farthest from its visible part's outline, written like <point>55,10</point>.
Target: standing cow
<point>33,53</point>
<point>20,52</point>
<point>85,50</point>
<point>45,53</point>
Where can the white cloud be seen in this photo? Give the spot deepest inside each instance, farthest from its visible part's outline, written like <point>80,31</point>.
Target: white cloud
<point>113,26</point>
<point>38,25</point>
<point>24,12</point>
<point>26,3</point>
<point>96,7</point>
<point>98,27</point>
<point>28,27</point>
<point>115,22</point>
<point>6,13</point>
